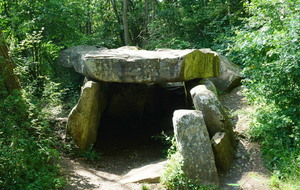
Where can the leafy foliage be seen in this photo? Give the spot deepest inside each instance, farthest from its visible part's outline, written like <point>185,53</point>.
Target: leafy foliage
<point>27,157</point>
<point>174,178</point>
<point>268,48</point>
<point>174,27</point>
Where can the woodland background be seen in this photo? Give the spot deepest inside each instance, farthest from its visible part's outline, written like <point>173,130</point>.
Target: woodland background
<point>261,36</point>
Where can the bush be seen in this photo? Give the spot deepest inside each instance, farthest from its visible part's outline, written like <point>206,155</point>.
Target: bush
<point>268,48</point>
<point>27,156</point>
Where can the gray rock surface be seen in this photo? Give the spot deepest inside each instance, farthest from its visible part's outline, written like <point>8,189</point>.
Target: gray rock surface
<point>74,54</point>
<point>129,65</point>
<point>149,173</point>
<point>84,118</point>
<point>214,114</point>
<point>230,76</point>
<point>223,151</point>
<point>195,147</point>
<point>209,85</point>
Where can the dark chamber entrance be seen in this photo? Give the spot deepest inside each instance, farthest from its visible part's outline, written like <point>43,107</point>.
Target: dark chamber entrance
<point>136,113</point>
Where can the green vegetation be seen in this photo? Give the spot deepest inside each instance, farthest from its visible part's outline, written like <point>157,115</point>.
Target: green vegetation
<point>262,36</point>
<point>173,176</point>
<point>27,157</point>
<point>144,187</point>
<point>267,46</point>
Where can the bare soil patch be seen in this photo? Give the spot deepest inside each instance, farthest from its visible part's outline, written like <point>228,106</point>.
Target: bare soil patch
<point>247,171</point>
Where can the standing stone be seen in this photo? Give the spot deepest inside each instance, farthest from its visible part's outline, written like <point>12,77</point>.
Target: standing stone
<point>188,85</point>
<point>223,151</point>
<point>214,114</point>
<point>195,147</point>
<point>84,118</point>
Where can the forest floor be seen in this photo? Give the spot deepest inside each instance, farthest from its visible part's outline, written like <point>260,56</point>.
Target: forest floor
<point>247,171</point>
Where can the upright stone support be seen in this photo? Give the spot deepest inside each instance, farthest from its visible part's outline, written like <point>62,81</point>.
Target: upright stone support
<point>84,118</point>
<point>223,151</point>
<point>189,85</point>
<point>195,147</point>
<point>214,114</point>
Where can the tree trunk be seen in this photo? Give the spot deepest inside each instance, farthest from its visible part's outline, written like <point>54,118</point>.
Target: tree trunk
<point>118,17</point>
<point>125,22</point>
<point>146,20</point>
<point>146,13</point>
<point>153,10</point>
<point>88,24</point>
<point>11,80</point>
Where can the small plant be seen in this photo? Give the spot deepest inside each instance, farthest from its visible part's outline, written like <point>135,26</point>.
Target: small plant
<point>173,177</point>
<point>70,149</point>
<point>90,154</point>
<point>145,187</point>
<point>168,141</point>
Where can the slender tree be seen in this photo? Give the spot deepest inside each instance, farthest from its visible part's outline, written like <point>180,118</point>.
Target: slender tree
<point>88,24</point>
<point>146,21</point>
<point>125,22</point>
<point>153,10</point>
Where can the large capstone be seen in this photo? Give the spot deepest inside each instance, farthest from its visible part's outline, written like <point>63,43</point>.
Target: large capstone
<point>214,114</point>
<point>73,54</point>
<point>195,147</point>
<point>84,118</point>
<point>130,65</point>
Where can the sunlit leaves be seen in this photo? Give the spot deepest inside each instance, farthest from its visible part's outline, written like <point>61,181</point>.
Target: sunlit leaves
<point>268,47</point>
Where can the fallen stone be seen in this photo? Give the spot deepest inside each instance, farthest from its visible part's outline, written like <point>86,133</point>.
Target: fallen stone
<point>223,151</point>
<point>84,118</point>
<point>129,65</point>
<point>214,114</point>
<point>230,76</point>
<point>195,147</point>
<point>147,174</point>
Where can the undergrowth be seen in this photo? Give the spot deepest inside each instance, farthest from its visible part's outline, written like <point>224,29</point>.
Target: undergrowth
<point>28,159</point>
<point>267,46</point>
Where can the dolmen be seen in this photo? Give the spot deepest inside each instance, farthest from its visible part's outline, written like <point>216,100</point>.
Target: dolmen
<point>204,133</point>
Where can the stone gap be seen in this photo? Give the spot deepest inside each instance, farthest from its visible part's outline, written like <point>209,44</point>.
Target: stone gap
<point>137,112</point>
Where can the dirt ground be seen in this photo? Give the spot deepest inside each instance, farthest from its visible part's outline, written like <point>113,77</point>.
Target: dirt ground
<point>247,171</point>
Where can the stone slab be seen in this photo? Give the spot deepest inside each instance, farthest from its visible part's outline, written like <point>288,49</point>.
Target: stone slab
<point>147,174</point>
<point>129,65</point>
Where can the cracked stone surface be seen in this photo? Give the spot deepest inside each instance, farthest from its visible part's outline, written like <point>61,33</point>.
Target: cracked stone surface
<point>131,65</point>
